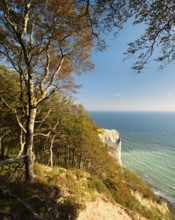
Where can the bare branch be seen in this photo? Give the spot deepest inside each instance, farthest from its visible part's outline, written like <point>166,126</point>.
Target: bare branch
<point>56,72</point>
<point>48,134</point>
<point>3,135</point>
<point>26,18</point>
<point>12,160</point>
<point>41,122</point>
<point>44,97</point>
<point>46,69</point>
<point>6,16</point>
<point>14,112</point>
<point>31,34</point>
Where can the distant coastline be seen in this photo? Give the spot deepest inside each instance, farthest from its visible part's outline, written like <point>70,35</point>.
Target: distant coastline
<point>125,111</point>
<point>147,142</point>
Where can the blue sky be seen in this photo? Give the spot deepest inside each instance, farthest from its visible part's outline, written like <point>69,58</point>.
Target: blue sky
<point>113,86</point>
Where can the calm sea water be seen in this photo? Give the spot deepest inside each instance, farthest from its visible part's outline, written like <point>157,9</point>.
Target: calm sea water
<point>148,145</point>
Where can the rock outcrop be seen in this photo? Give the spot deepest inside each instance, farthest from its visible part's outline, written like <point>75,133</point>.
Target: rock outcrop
<point>112,139</point>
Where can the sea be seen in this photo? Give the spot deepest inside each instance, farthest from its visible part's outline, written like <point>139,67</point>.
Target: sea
<point>148,146</point>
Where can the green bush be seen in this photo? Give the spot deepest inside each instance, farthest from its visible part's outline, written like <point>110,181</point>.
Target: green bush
<point>96,183</point>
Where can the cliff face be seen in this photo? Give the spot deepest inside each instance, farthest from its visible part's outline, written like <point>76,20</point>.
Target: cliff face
<point>101,208</point>
<point>112,139</point>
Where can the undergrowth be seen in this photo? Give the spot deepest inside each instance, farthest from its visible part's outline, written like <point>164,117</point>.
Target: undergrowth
<point>59,193</point>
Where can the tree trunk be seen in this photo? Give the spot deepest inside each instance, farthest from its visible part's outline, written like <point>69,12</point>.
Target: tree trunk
<point>22,143</point>
<point>67,158</point>
<point>73,158</point>
<point>51,151</point>
<point>29,144</point>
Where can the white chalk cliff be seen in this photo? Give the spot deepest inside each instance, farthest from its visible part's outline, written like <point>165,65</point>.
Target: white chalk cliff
<point>112,139</point>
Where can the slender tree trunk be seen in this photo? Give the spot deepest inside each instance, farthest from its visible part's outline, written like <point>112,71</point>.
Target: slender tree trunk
<point>67,160</point>
<point>73,158</point>
<point>51,151</point>
<point>28,149</point>
<point>22,143</point>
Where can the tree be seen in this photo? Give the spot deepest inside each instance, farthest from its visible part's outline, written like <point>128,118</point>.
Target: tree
<point>159,19</point>
<point>44,42</point>
<point>43,48</point>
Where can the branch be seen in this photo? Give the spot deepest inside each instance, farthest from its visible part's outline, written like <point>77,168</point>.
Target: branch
<point>14,112</point>
<point>48,134</point>
<point>19,37</point>
<point>44,118</point>
<point>4,134</point>
<point>31,34</point>
<point>6,54</point>
<point>13,160</point>
<point>56,72</point>
<point>89,16</point>
<point>46,69</point>
<point>45,97</point>
<point>28,208</point>
<point>26,18</point>
<point>8,20</point>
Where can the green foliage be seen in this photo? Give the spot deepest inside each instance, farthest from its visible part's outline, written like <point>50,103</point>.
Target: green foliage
<point>96,183</point>
<point>9,129</point>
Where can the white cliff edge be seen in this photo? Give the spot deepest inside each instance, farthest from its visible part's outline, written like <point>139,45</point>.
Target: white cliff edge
<point>112,139</point>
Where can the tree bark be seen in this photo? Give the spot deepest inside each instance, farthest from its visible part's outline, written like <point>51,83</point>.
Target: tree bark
<point>22,143</point>
<point>51,150</point>
<point>28,149</point>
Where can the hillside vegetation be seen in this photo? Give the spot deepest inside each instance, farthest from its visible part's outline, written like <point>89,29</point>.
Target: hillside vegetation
<point>59,193</point>
<point>72,166</point>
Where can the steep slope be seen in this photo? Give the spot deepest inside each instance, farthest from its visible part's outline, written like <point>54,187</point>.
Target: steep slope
<point>59,193</point>
<point>102,208</point>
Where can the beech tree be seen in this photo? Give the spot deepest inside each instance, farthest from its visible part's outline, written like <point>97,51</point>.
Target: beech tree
<point>41,41</point>
<point>44,42</point>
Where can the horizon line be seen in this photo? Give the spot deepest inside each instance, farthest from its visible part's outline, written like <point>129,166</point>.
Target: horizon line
<point>130,111</point>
